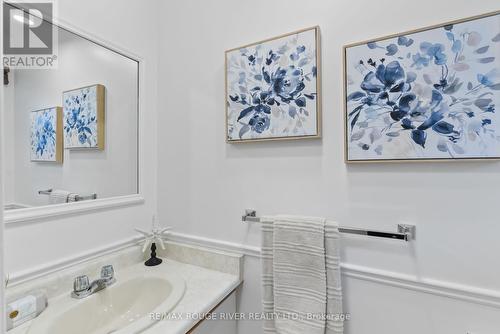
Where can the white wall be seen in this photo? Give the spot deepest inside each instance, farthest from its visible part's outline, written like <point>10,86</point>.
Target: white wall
<point>110,172</point>
<point>205,184</point>
<point>128,24</point>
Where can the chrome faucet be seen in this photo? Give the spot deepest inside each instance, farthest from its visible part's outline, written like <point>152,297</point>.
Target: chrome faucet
<point>83,288</point>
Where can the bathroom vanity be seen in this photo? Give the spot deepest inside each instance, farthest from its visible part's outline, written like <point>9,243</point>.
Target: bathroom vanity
<point>181,295</point>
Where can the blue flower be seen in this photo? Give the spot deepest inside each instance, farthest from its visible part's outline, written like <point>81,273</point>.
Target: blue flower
<point>392,49</point>
<point>490,108</point>
<point>82,138</point>
<point>371,83</point>
<point>419,60</point>
<point>287,83</point>
<point>444,128</point>
<point>384,78</point>
<point>390,74</point>
<point>404,41</point>
<point>410,77</point>
<point>48,126</point>
<point>457,46</point>
<point>386,102</point>
<point>44,133</point>
<point>488,78</point>
<point>272,57</point>
<point>41,143</point>
<point>263,108</point>
<point>435,117</point>
<point>259,123</point>
<point>419,137</point>
<point>75,114</point>
<point>251,60</point>
<point>434,51</point>
<point>407,124</point>
<point>276,86</point>
<point>301,49</point>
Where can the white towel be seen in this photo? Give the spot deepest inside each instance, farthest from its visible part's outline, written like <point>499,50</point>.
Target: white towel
<point>301,276</point>
<point>333,282</point>
<point>72,197</point>
<point>58,196</point>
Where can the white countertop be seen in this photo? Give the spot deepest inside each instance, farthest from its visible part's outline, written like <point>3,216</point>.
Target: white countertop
<point>205,289</point>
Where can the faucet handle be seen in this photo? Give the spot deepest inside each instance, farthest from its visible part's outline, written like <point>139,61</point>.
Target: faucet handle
<point>108,272</point>
<point>81,283</point>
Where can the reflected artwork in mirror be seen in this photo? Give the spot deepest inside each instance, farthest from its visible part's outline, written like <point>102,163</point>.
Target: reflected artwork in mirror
<point>84,117</point>
<point>46,135</point>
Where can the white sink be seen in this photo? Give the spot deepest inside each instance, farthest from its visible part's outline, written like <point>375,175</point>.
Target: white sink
<point>122,308</point>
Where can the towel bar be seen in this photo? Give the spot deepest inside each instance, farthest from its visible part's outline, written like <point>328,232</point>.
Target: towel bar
<point>78,197</point>
<point>405,232</point>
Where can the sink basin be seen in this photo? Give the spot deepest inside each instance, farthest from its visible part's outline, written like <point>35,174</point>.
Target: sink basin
<point>123,308</point>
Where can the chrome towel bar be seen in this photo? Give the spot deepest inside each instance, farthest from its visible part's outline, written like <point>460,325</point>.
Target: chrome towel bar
<point>77,198</point>
<point>405,232</point>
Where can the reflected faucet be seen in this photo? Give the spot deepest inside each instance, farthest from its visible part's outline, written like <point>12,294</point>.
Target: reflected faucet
<point>82,288</point>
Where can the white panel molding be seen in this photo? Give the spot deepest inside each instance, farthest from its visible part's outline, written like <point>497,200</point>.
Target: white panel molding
<point>53,267</point>
<point>227,246</point>
<point>439,288</point>
<point>445,289</point>
<point>465,293</point>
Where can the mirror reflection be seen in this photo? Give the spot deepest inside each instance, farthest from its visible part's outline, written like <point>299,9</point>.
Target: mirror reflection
<point>71,133</point>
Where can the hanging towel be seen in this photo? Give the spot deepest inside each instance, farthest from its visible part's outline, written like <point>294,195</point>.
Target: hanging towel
<point>333,282</point>
<point>58,196</point>
<point>301,276</point>
<point>72,197</point>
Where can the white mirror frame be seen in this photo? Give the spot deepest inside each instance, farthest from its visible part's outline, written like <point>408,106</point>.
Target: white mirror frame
<point>83,207</point>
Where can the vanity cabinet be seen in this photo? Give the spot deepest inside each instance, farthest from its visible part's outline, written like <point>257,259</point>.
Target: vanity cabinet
<point>220,326</point>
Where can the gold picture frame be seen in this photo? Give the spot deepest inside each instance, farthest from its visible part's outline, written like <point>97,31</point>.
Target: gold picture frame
<point>97,130</point>
<point>318,98</point>
<point>345,93</point>
<point>37,153</point>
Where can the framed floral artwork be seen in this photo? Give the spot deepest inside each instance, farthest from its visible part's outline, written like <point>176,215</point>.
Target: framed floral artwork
<point>83,110</point>
<point>427,94</point>
<point>46,135</point>
<point>273,89</point>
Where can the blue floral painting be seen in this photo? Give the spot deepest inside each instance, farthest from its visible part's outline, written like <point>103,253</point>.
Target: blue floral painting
<point>45,137</point>
<point>272,88</point>
<point>82,109</point>
<point>431,94</point>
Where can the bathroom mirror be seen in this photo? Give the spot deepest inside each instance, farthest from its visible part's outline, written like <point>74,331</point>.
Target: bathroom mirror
<point>71,133</point>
